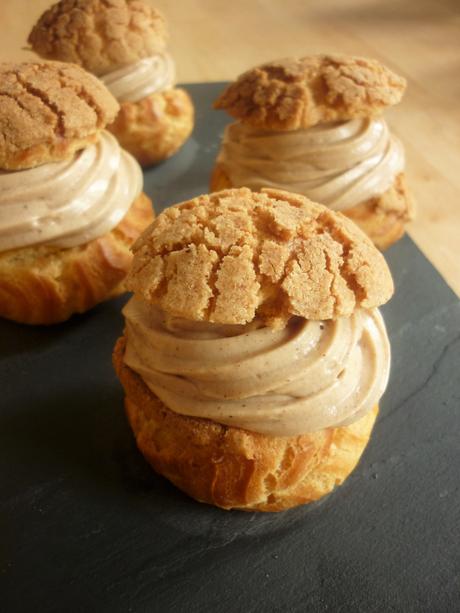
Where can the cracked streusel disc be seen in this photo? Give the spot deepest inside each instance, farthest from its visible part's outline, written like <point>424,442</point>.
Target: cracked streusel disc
<point>229,256</point>
<point>49,110</point>
<point>298,93</point>
<point>99,35</point>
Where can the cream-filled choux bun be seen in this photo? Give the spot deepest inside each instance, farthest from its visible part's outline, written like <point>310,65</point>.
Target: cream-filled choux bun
<point>123,42</point>
<point>71,200</point>
<point>254,355</point>
<point>314,126</point>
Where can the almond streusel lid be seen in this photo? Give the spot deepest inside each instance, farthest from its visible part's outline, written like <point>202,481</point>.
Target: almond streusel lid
<point>48,111</point>
<point>100,35</point>
<point>292,93</point>
<point>234,255</point>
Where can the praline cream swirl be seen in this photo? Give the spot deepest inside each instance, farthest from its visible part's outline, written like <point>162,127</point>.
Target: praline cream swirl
<point>308,376</point>
<point>136,81</point>
<point>71,202</point>
<point>338,164</point>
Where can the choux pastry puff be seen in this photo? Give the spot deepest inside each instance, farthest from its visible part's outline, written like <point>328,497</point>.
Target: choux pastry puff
<point>71,200</point>
<point>254,354</point>
<point>313,126</point>
<point>123,42</point>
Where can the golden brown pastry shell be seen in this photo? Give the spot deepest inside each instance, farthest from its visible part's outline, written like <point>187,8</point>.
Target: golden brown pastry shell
<point>234,468</point>
<point>154,128</point>
<point>383,218</point>
<point>45,284</point>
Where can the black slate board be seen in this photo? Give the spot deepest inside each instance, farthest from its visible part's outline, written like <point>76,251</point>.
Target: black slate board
<point>87,526</point>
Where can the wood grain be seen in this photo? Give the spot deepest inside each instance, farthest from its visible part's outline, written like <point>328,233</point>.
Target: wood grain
<point>216,40</point>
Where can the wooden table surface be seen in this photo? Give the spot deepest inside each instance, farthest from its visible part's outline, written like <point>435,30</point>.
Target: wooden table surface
<point>215,40</point>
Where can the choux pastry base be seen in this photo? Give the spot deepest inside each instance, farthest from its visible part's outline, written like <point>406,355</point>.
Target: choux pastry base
<point>154,128</point>
<point>233,468</point>
<point>45,284</point>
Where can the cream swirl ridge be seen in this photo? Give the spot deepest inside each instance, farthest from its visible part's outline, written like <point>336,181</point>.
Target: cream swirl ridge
<point>339,164</point>
<point>71,202</point>
<point>135,81</point>
<point>308,376</point>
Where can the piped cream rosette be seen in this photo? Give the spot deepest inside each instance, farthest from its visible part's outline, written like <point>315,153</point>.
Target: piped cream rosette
<point>69,203</point>
<point>306,377</point>
<point>339,164</point>
<point>138,80</point>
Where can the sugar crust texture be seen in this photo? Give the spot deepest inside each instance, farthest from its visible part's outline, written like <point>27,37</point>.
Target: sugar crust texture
<point>296,93</point>
<point>233,255</point>
<point>48,111</point>
<point>100,35</point>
